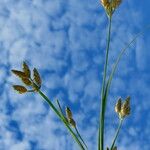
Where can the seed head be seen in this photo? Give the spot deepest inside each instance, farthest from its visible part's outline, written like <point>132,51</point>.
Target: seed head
<point>26,81</point>
<point>110,6</point>
<point>37,77</point>
<point>26,69</point>
<point>115,3</point>
<point>125,109</point>
<point>118,106</point>
<point>20,74</point>
<point>68,113</point>
<point>19,88</point>
<point>72,122</point>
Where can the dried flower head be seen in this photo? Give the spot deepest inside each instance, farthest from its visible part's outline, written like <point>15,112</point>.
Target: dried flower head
<point>115,3</point>
<point>68,113</point>
<point>26,69</point>
<point>118,106</point>
<point>26,81</point>
<point>19,88</point>
<point>37,77</point>
<point>125,109</point>
<point>18,73</point>
<point>72,122</point>
<point>25,76</point>
<point>110,6</point>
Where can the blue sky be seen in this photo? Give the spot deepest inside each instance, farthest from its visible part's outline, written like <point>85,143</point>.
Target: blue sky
<point>65,40</point>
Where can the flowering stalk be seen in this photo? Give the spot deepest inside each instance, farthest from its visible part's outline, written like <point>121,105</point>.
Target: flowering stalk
<point>116,134</point>
<point>110,7</point>
<point>34,85</point>
<point>102,112</point>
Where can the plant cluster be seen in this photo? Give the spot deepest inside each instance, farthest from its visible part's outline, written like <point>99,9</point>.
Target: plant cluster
<point>32,82</point>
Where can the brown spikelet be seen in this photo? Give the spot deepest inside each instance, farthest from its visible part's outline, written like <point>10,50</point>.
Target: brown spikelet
<point>115,3</point>
<point>105,3</point>
<point>37,77</point>
<point>26,69</point>
<point>26,81</point>
<point>118,106</point>
<point>20,74</point>
<point>68,113</point>
<point>72,122</point>
<point>19,88</point>
<point>125,109</point>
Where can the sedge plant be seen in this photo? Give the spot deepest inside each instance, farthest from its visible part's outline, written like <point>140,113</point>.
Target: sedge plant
<point>32,83</point>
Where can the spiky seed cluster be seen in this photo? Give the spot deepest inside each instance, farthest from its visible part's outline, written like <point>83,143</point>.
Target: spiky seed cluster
<point>110,5</point>
<point>123,109</point>
<point>25,76</point>
<point>70,117</point>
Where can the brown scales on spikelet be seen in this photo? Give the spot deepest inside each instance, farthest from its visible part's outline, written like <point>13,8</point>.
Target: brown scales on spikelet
<point>37,77</point>
<point>110,5</point>
<point>25,77</point>
<point>20,74</point>
<point>118,106</point>
<point>19,88</point>
<point>115,3</point>
<point>26,69</point>
<point>125,109</point>
<point>72,122</point>
<point>26,81</point>
<point>68,113</point>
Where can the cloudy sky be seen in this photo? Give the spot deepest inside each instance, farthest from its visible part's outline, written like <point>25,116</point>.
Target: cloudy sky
<point>65,40</point>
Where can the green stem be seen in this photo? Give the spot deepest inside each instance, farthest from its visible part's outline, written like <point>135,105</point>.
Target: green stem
<point>116,134</point>
<point>78,133</point>
<point>119,58</point>
<point>102,112</point>
<point>62,119</point>
<point>80,137</point>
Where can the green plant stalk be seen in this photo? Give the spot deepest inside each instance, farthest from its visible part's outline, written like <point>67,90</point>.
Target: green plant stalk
<point>62,119</point>
<point>117,62</point>
<point>78,133</point>
<point>80,137</point>
<point>116,134</point>
<point>119,58</point>
<point>102,111</point>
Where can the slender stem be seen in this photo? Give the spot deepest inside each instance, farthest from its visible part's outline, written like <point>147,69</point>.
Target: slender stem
<point>120,56</point>
<point>102,111</point>
<point>59,106</point>
<point>116,134</point>
<point>80,137</point>
<point>62,119</point>
<point>78,133</point>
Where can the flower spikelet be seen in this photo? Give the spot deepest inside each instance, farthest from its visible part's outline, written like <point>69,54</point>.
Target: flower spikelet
<point>26,69</point>
<point>26,81</point>
<point>19,88</point>
<point>37,77</point>
<point>20,74</point>
<point>118,106</point>
<point>115,3</point>
<point>72,122</point>
<point>68,113</point>
<point>33,83</point>
<point>125,109</point>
